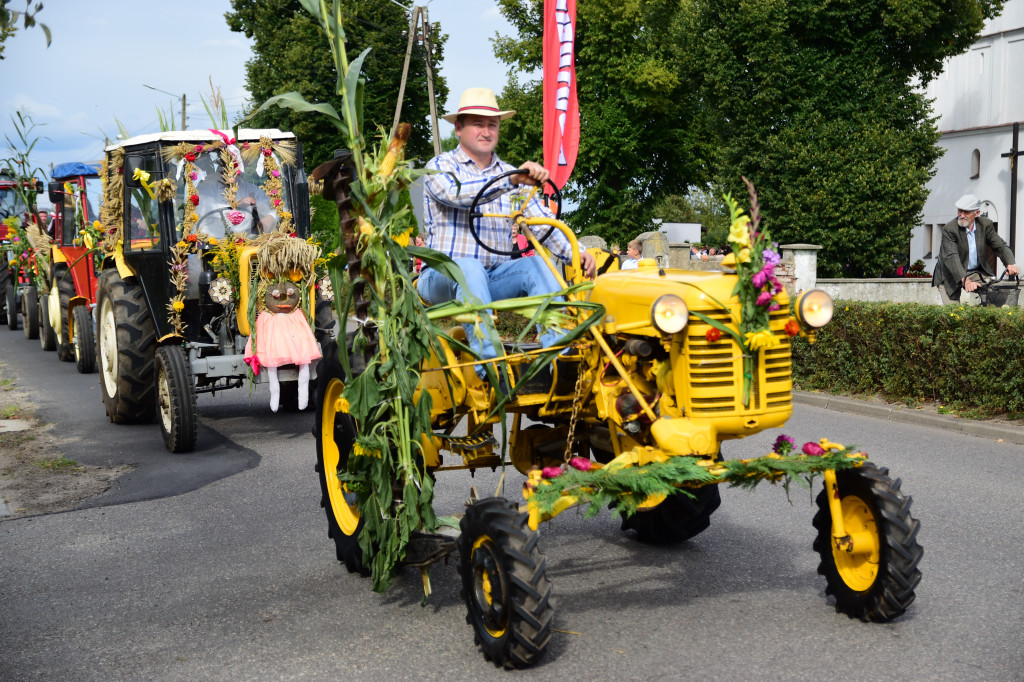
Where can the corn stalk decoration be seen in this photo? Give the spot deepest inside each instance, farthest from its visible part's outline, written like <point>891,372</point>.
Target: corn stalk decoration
<point>396,332</point>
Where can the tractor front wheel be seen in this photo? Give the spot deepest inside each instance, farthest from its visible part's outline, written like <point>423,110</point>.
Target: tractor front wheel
<point>12,307</point>
<point>84,339</point>
<point>504,583</point>
<point>47,337</point>
<point>30,312</point>
<point>176,399</point>
<point>872,572</point>
<point>126,348</point>
<point>335,433</point>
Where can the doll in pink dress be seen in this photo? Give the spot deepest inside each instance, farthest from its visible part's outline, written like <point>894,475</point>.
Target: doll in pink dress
<point>282,337</point>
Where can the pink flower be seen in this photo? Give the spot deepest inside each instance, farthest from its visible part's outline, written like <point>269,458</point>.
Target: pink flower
<point>580,463</point>
<point>774,306</point>
<point>199,149</point>
<point>276,173</point>
<point>193,176</point>
<point>235,217</point>
<point>15,238</point>
<point>550,472</point>
<point>764,298</point>
<point>763,276</point>
<point>277,202</point>
<point>813,449</point>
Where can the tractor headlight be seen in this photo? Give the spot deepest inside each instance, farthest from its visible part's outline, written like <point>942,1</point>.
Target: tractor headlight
<point>814,308</point>
<point>669,314</point>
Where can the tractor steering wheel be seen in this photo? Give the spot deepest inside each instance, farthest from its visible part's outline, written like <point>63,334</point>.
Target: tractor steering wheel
<point>474,214</point>
<point>251,217</point>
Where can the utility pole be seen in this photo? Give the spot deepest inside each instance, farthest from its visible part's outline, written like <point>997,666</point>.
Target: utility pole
<point>419,29</point>
<point>172,95</point>
<point>1012,155</point>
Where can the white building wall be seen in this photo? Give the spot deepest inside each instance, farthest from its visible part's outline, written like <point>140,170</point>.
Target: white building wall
<point>977,98</point>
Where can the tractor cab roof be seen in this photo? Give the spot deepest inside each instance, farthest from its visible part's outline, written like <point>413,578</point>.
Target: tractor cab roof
<point>244,135</point>
<point>74,169</point>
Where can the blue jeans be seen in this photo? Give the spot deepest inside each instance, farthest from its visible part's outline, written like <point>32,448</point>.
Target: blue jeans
<point>528,276</point>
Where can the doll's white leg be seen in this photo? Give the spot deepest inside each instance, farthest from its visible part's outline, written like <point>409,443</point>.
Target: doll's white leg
<point>275,388</point>
<point>303,386</point>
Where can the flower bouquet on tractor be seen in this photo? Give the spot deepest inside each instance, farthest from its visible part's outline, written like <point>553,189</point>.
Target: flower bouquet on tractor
<point>655,370</point>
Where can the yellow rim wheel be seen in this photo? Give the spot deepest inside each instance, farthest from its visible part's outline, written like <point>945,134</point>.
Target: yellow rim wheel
<point>489,590</point>
<point>858,567</point>
<point>343,503</point>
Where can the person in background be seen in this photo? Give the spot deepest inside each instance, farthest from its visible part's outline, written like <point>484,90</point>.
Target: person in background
<point>963,254</point>
<point>634,252</point>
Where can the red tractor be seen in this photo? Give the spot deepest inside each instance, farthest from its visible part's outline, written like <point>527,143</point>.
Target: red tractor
<point>66,319</point>
<point>19,265</point>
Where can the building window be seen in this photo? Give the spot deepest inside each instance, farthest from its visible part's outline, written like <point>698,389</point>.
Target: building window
<point>928,240</point>
<point>975,164</point>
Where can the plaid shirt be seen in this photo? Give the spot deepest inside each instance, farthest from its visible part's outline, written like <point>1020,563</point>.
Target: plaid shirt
<point>446,210</point>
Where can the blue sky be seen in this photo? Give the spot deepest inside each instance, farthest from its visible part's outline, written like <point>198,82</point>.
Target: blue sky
<point>175,47</point>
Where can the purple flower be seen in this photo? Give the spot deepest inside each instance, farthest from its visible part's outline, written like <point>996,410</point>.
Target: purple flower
<point>770,257</point>
<point>759,280</point>
<point>773,307</point>
<point>764,298</point>
<point>783,444</point>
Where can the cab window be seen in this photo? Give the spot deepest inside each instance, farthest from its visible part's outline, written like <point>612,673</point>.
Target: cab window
<point>142,217</point>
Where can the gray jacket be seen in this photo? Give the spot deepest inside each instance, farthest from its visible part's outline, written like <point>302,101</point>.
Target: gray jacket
<point>951,267</point>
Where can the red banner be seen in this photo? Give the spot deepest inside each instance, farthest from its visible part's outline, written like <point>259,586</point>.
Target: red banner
<point>561,109</point>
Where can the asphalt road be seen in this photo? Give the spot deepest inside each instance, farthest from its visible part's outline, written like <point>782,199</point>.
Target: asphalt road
<point>216,565</point>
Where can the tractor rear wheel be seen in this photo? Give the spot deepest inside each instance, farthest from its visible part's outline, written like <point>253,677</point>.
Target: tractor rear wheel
<point>12,307</point>
<point>504,583</point>
<point>84,340</point>
<point>66,291</point>
<point>335,432</point>
<point>126,348</point>
<point>677,519</point>
<point>30,312</point>
<point>176,399</point>
<point>873,575</point>
<point>47,337</point>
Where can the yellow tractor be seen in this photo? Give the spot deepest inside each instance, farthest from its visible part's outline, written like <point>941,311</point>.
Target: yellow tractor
<point>656,377</point>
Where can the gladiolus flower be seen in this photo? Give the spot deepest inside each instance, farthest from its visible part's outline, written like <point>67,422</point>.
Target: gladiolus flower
<point>743,256</point>
<point>771,257</point>
<point>713,334</point>
<point>739,232</point>
<point>813,449</point>
<point>764,298</point>
<point>762,339</point>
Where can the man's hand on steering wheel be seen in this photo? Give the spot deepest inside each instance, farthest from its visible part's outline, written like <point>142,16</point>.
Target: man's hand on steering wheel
<point>536,174</point>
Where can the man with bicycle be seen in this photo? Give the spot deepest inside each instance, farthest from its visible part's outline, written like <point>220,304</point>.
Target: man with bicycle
<point>963,254</point>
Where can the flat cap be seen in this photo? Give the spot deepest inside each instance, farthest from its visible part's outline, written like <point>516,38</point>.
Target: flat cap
<point>968,202</point>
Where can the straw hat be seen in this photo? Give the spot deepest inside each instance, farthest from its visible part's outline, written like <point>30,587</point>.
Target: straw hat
<point>480,101</point>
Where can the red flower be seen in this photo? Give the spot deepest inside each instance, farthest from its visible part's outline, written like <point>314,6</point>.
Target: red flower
<point>190,157</point>
<point>580,463</point>
<point>267,152</point>
<point>792,327</point>
<point>199,149</point>
<point>813,449</point>
<point>292,234</point>
<point>192,238</point>
<point>551,472</point>
<point>713,334</point>
<point>245,145</point>
<point>194,199</point>
<point>120,171</point>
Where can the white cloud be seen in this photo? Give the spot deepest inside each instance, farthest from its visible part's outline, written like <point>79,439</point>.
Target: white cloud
<point>36,110</point>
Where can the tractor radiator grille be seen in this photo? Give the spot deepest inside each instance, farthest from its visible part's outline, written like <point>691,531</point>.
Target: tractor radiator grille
<point>715,384</point>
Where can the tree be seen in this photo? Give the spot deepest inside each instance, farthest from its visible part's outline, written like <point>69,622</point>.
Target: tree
<point>9,21</point>
<point>291,54</point>
<point>641,130</point>
<point>819,105</point>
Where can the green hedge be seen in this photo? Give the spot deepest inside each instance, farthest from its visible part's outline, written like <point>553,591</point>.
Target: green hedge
<point>968,358</point>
